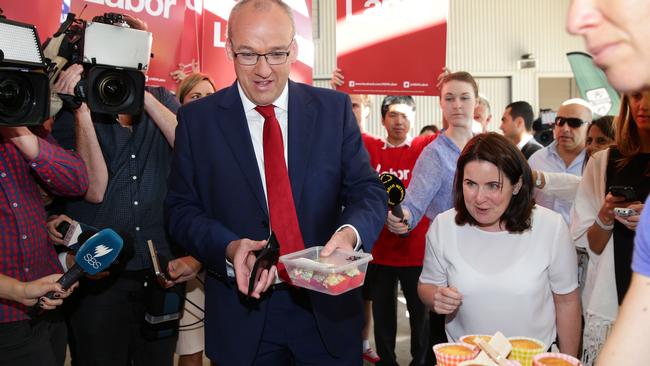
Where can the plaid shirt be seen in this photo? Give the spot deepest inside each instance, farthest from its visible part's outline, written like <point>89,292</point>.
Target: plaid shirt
<point>25,252</point>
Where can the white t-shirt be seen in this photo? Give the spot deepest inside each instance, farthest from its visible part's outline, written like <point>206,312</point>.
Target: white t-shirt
<point>507,280</point>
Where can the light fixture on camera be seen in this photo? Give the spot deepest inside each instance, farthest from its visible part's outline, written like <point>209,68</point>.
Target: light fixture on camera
<point>24,86</point>
<point>115,58</point>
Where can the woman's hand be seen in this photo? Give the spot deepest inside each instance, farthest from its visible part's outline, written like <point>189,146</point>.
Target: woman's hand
<point>54,221</point>
<point>446,300</point>
<point>396,225</point>
<point>631,222</point>
<point>606,213</point>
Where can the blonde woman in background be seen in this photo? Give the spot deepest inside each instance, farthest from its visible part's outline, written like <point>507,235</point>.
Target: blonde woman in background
<point>191,342</point>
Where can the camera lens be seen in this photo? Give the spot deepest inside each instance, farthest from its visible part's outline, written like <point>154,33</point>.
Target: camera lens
<point>15,97</point>
<point>113,88</point>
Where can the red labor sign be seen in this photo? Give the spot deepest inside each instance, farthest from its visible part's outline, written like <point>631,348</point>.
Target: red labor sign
<point>391,46</point>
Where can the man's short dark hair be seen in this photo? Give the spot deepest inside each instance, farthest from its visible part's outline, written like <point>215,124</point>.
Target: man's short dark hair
<point>432,128</point>
<point>524,110</point>
<point>396,99</point>
<point>498,150</point>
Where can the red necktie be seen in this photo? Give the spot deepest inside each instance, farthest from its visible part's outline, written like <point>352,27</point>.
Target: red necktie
<point>282,210</point>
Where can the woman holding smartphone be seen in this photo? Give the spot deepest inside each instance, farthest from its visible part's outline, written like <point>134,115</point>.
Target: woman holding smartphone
<point>618,177</point>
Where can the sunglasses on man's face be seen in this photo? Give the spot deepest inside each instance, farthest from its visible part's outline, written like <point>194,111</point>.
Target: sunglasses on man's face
<point>572,122</point>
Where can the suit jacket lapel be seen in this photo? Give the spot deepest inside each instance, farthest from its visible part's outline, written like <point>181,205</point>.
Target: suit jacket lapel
<point>234,127</point>
<point>302,121</point>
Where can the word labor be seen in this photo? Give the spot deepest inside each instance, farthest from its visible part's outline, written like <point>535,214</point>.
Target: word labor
<point>402,174</point>
<point>152,7</point>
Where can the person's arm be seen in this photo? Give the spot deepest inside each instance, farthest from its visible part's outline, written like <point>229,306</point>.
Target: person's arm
<point>628,343</point>
<point>568,319</point>
<point>588,200</point>
<point>337,78</point>
<point>87,145</point>
<point>86,142</point>
<point>423,186</point>
<point>441,300</point>
<point>28,293</point>
<point>162,116</point>
<point>600,231</point>
<point>560,185</point>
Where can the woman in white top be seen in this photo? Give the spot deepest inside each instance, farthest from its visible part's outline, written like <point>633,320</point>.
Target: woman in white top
<point>497,262</point>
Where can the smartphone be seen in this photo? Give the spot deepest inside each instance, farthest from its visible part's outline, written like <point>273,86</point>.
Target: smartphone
<point>623,191</point>
<point>624,212</point>
<point>161,276</point>
<point>266,258</point>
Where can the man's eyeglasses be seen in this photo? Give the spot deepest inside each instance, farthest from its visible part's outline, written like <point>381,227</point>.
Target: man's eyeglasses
<point>272,58</point>
<point>572,122</point>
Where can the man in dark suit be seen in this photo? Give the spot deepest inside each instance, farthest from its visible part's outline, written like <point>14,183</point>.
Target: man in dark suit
<point>222,205</point>
<point>517,125</point>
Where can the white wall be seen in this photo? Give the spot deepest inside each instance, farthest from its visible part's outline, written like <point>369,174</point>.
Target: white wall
<point>485,38</point>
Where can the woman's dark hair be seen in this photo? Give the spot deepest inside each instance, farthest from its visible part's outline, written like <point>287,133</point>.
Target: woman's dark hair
<point>606,126</point>
<point>496,149</point>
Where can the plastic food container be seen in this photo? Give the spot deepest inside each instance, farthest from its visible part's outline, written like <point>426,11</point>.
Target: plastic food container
<point>340,272</point>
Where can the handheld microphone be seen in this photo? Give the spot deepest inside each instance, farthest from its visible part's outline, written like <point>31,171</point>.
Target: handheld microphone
<point>94,256</point>
<point>75,233</point>
<point>396,193</point>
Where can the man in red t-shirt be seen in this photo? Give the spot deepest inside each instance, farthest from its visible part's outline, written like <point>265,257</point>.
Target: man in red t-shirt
<point>396,258</point>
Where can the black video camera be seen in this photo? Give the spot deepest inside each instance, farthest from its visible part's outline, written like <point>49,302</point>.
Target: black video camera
<point>543,127</point>
<point>114,56</point>
<point>24,87</point>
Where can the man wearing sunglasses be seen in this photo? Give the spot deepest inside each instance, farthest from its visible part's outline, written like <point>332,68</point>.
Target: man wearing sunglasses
<point>567,153</point>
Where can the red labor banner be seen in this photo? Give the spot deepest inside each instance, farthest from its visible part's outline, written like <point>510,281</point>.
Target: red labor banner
<point>214,60</point>
<point>391,46</point>
<point>44,14</point>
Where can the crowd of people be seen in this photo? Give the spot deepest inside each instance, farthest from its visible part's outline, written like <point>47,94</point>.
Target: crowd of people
<point>496,232</point>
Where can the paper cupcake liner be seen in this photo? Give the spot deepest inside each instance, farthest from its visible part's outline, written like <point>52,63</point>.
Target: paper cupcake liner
<point>464,339</point>
<point>574,361</point>
<point>472,362</point>
<point>451,360</point>
<point>524,355</point>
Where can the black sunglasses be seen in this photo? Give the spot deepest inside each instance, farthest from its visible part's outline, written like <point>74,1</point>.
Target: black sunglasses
<point>573,122</point>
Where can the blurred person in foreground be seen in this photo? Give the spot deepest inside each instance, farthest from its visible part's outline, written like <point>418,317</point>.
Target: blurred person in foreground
<point>616,33</point>
<point>607,237</point>
<point>496,262</point>
<point>269,155</point>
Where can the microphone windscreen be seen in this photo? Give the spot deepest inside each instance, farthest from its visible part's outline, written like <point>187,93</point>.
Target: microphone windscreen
<point>99,251</point>
<point>394,188</point>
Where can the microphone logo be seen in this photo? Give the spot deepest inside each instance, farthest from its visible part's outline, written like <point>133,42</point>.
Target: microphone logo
<point>102,250</point>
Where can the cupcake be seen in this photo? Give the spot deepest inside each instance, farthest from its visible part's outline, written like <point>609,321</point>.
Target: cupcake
<point>555,359</point>
<point>472,339</point>
<point>452,354</point>
<point>524,349</point>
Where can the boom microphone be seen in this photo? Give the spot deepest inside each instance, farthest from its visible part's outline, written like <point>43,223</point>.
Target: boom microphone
<point>396,193</point>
